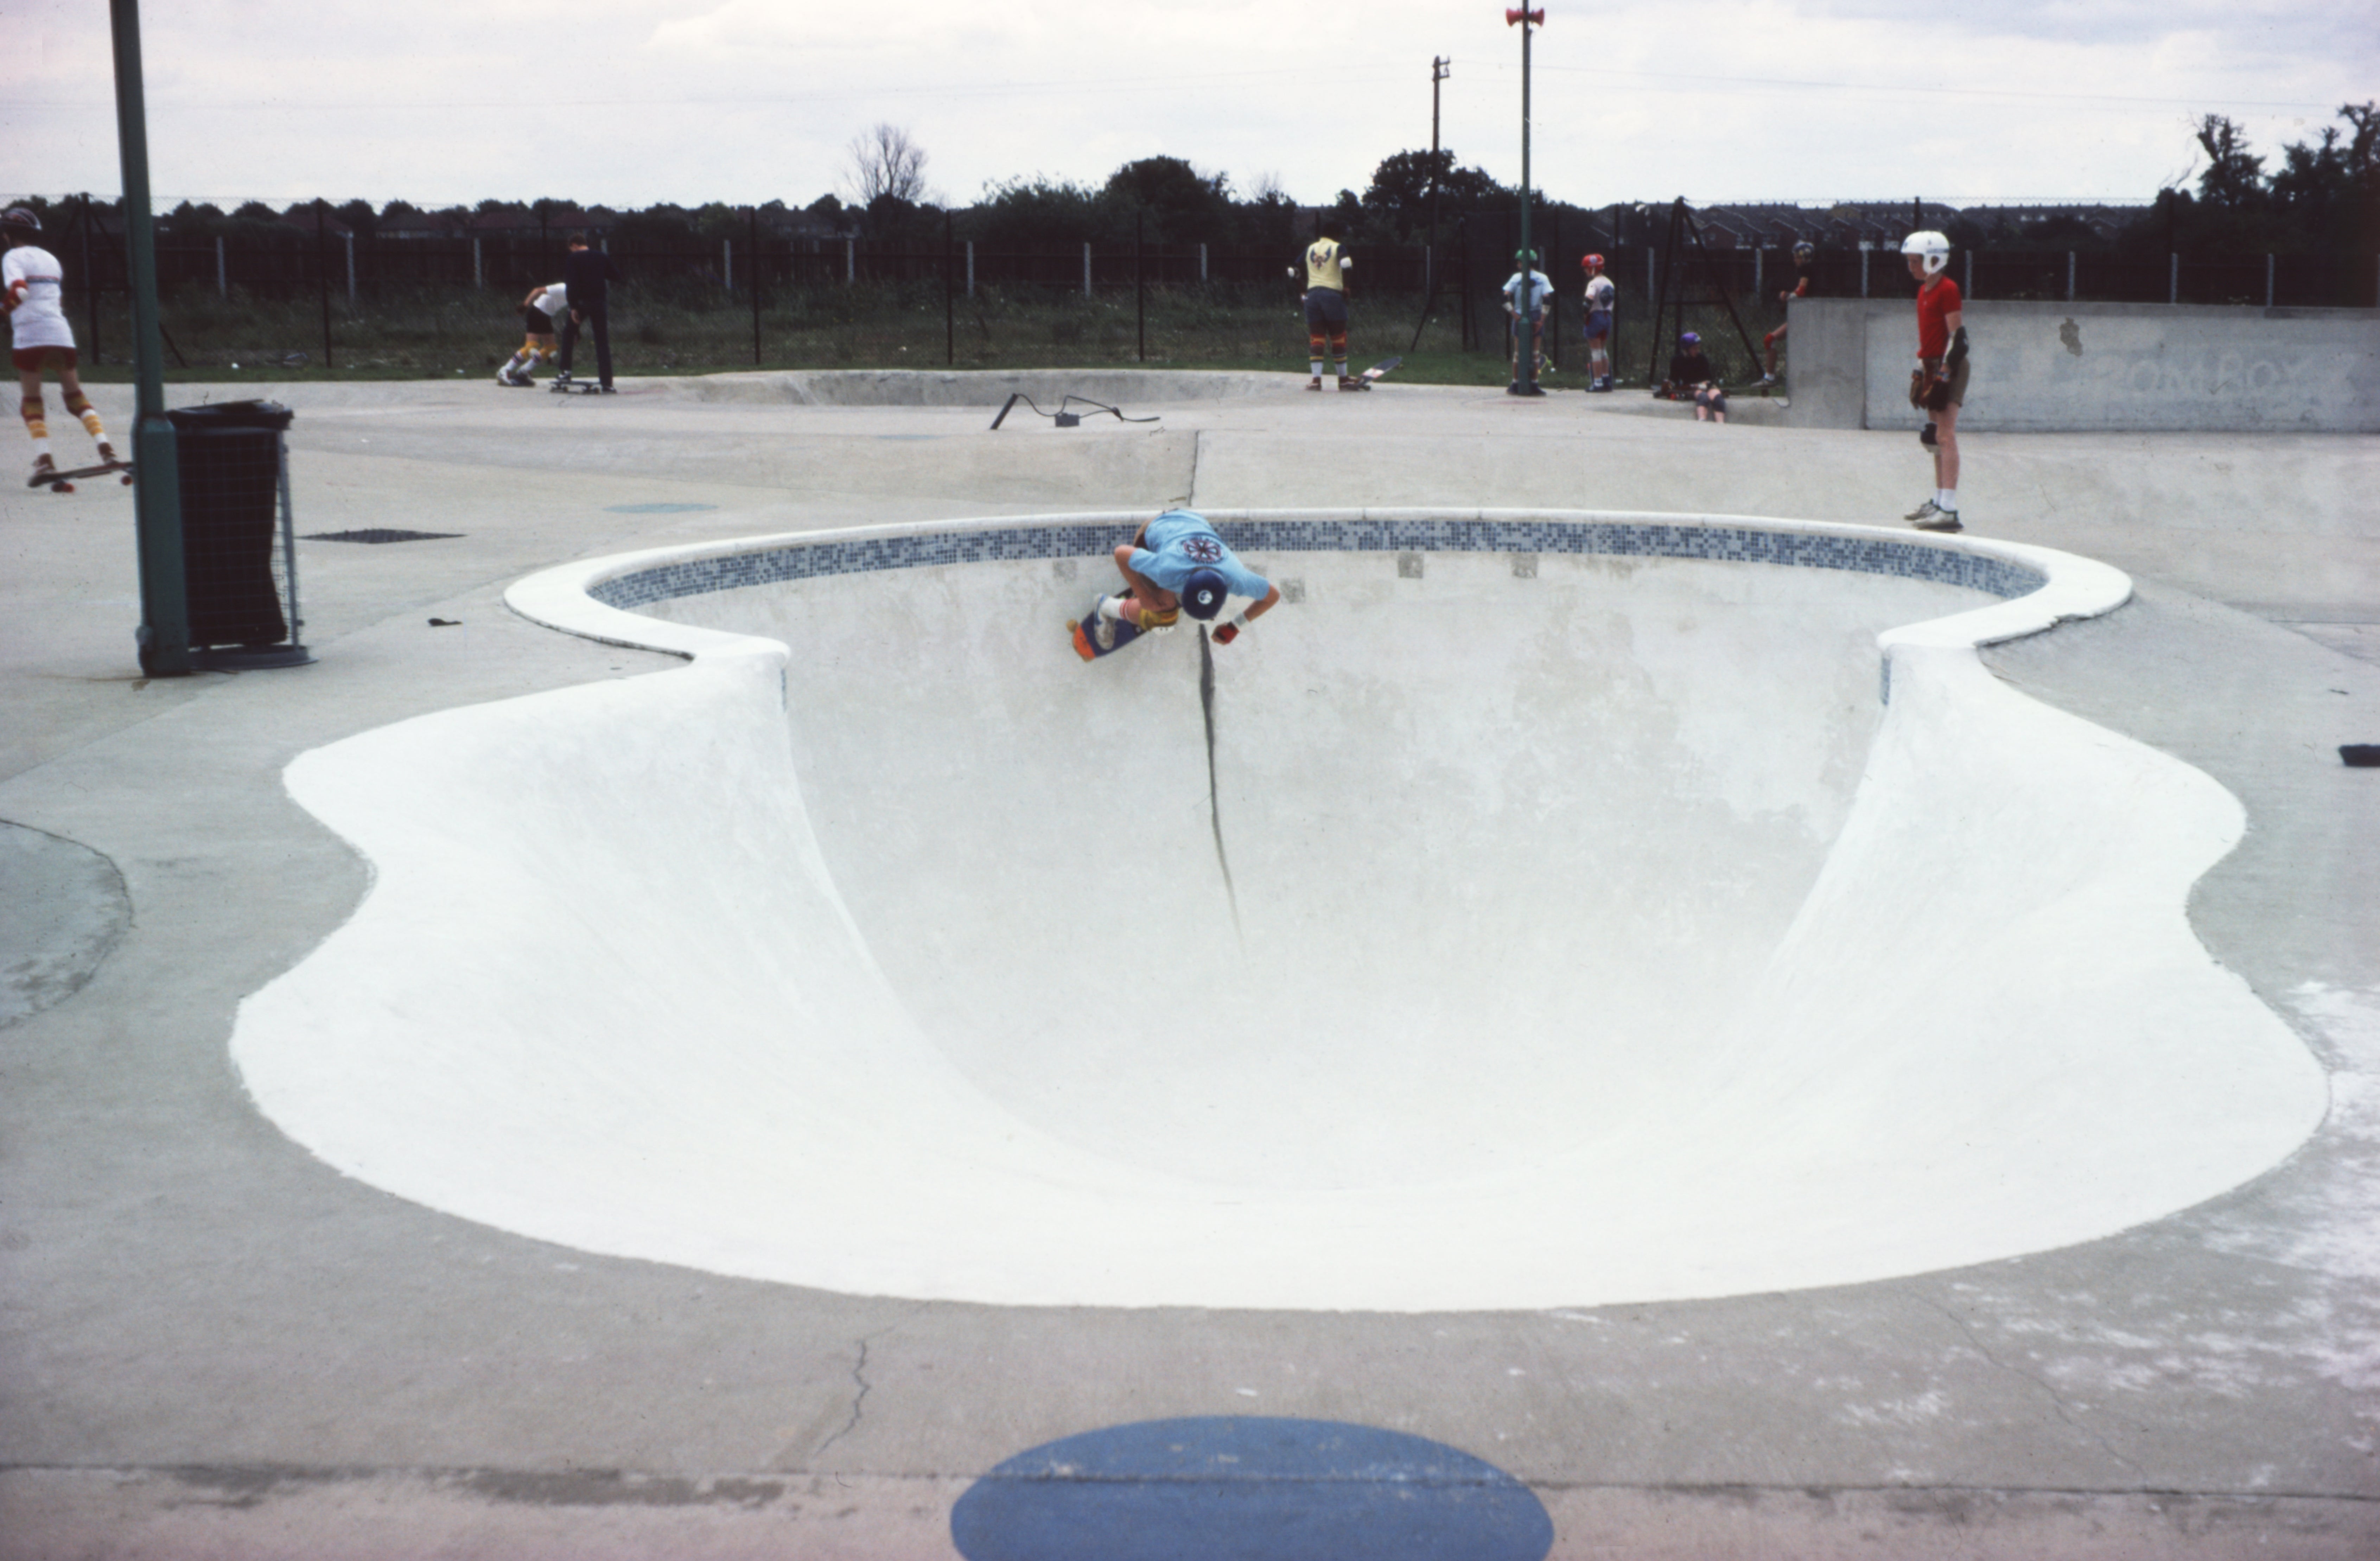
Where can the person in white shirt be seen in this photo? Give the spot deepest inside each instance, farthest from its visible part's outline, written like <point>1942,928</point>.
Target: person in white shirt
<point>1527,292</point>
<point>1601,297</point>
<point>41,340</point>
<point>539,312</point>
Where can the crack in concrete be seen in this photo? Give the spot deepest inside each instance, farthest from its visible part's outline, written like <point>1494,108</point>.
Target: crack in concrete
<point>1214,802</point>
<point>858,1401</point>
<point>2057,1402</point>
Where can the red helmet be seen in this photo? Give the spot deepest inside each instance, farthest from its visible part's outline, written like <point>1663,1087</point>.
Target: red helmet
<point>1592,262</point>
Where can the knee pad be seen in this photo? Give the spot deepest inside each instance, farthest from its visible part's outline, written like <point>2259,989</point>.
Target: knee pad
<point>1925,436</point>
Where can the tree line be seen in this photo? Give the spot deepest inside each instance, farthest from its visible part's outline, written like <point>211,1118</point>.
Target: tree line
<point>2321,195</point>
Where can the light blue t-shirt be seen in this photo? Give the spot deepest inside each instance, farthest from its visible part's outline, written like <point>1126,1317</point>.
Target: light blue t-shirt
<point>1541,288</point>
<point>1178,541</point>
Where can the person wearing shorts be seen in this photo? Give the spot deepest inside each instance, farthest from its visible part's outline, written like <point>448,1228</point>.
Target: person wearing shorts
<point>539,312</point>
<point>1526,293</point>
<point>1937,386</point>
<point>40,339</point>
<point>1601,297</point>
<point>1802,256</point>
<point>1177,563</point>
<point>1326,265</point>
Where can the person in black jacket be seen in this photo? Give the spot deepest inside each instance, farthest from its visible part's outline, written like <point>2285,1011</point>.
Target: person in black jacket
<point>1692,378</point>
<point>586,278</point>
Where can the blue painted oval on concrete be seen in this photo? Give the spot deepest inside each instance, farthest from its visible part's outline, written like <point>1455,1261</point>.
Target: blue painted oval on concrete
<point>1246,1488</point>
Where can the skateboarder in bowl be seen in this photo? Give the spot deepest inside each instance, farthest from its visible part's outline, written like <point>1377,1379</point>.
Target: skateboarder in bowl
<point>1177,563</point>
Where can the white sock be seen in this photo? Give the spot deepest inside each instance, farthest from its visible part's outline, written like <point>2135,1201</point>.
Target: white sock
<point>41,448</point>
<point>1317,368</point>
<point>1947,498</point>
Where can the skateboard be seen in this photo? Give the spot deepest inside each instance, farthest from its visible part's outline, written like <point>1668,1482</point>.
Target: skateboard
<point>580,387</point>
<point>1373,375</point>
<point>63,482</point>
<point>1096,637</point>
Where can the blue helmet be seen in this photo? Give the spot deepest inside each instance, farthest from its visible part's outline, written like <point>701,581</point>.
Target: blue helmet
<point>1691,339</point>
<point>1203,593</point>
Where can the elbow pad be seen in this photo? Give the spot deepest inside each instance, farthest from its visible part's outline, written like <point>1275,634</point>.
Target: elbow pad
<point>1958,350</point>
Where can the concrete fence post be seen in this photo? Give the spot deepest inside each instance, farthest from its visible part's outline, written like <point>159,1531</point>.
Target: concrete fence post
<point>223,271</point>
<point>477,275</point>
<point>727,264</point>
<point>2173,279</point>
<point>970,253</point>
<point>2069,276</point>
<point>1202,262</point>
<point>1758,255</point>
<point>2268,279</point>
<point>351,269</point>
<point>1087,268</point>
<point>1650,293</point>
<point>850,261</point>
<point>1864,252</point>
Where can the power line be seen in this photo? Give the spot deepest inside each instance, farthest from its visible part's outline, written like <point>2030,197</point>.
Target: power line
<point>1691,82</point>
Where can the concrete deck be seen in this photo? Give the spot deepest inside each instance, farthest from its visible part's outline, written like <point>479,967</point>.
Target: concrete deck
<point>213,1344</point>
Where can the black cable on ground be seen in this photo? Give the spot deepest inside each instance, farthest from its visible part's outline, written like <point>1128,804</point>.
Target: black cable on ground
<point>1063,418</point>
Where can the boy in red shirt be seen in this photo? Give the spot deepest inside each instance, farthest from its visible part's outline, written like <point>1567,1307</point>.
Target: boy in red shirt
<point>1939,384</point>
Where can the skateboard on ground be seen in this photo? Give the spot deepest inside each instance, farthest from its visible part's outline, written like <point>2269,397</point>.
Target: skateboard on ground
<point>559,386</point>
<point>63,482</point>
<point>1373,375</point>
<point>1096,637</point>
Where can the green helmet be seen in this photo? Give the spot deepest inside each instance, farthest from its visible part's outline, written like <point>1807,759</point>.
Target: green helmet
<point>1524,258</point>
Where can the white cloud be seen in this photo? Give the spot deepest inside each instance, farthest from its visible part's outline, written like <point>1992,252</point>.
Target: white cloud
<point>634,101</point>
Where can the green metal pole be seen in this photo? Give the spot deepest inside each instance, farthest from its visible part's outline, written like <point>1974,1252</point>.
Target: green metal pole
<point>164,637</point>
<point>1524,356</point>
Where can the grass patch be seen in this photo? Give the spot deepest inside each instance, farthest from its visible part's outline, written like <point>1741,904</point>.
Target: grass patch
<point>442,334</point>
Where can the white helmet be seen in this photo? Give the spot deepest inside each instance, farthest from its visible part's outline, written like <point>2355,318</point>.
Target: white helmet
<point>1934,246</point>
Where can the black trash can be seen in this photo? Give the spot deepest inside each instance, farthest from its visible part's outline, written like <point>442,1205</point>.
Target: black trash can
<point>230,463</point>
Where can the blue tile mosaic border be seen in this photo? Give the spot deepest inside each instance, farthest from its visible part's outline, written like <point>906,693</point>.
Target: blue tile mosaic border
<point>1802,550</point>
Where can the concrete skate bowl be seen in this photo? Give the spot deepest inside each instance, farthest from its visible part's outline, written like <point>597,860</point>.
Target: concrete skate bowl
<point>1583,909</point>
<point>1126,388</point>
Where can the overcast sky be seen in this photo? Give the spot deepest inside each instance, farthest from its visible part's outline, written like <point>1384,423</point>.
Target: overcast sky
<point>633,101</point>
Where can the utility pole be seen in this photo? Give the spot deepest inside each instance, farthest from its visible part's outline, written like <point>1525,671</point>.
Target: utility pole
<point>1440,69</point>
<point>164,637</point>
<point>1524,356</point>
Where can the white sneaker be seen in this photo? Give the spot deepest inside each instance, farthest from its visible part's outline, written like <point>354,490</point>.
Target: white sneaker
<point>1923,513</point>
<point>1940,520</point>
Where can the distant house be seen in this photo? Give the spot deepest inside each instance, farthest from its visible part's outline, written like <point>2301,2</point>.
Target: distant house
<point>423,225</point>
<point>2101,220</point>
<point>315,222</point>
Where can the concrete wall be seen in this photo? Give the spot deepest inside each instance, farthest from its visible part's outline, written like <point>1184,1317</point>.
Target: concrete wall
<point>2096,367</point>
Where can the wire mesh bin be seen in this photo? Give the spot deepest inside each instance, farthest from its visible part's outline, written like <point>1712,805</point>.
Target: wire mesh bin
<point>239,549</point>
